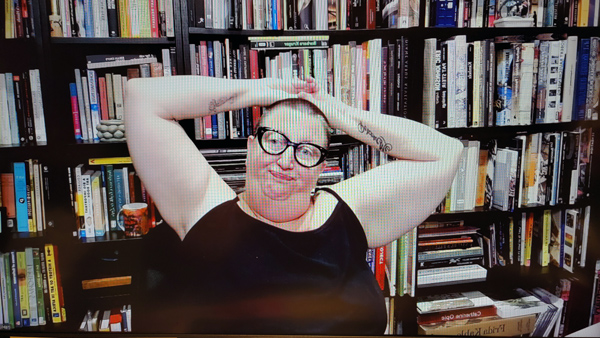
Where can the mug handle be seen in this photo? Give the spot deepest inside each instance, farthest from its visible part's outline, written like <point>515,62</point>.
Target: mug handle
<point>119,222</point>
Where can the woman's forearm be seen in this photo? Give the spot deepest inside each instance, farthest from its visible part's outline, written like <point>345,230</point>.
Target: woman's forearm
<point>399,137</point>
<point>190,96</point>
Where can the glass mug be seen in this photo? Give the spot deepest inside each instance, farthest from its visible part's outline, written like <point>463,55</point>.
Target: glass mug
<point>135,219</point>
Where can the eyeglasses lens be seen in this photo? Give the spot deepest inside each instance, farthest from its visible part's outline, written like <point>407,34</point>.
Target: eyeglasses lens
<point>275,143</point>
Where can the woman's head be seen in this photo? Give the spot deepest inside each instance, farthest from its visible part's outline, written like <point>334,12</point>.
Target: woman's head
<point>281,176</point>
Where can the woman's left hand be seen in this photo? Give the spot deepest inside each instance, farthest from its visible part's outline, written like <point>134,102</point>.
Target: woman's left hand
<point>334,110</point>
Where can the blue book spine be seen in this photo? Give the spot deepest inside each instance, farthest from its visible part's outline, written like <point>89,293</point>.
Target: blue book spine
<point>581,79</point>
<point>20,179</point>
<point>446,13</point>
<point>371,259</point>
<point>211,72</point>
<point>88,20</point>
<point>274,14</point>
<point>119,191</point>
<point>15,288</point>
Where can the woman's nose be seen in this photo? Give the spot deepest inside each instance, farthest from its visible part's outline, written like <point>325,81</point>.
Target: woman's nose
<point>286,159</point>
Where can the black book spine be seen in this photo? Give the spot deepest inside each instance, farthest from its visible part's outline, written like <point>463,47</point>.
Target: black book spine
<point>30,13</point>
<point>378,14</point>
<point>23,136</point>
<point>245,72</point>
<point>231,5</point>
<point>438,83</point>
<point>173,57</point>
<point>451,262</point>
<point>113,18</point>
<point>391,79</point>
<point>398,83</point>
<point>470,58</point>
<point>405,77</point>
<point>191,13</point>
<point>73,20</point>
<point>443,117</point>
<point>358,19</point>
<point>491,83</point>
<point>27,107</point>
<point>199,14</point>
<point>384,79</point>
<point>306,16</point>
<point>290,14</point>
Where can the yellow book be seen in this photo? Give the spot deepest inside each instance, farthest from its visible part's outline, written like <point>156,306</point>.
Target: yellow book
<point>9,27</point>
<point>485,326</point>
<point>144,15</point>
<point>53,286</point>
<point>584,13</point>
<point>23,289</point>
<point>546,233</point>
<point>125,30</point>
<point>33,219</point>
<point>109,160</point>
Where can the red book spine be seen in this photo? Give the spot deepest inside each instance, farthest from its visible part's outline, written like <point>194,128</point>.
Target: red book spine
<point>254,75</point>
<point>18,19</point>
<point>380,266</point>
<point>103,98</point>
<point>75,111</point>
<point>371,11</point>
<point>154,19</point>
<point>456,314</point>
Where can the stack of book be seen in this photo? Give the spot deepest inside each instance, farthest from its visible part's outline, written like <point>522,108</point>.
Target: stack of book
<point>18,19</point>
<point>449,253</point>
<point>468,314</point>
<point>494,82</point>
<point>99,190</point>
<point>113,320</point>
<point>101,97</point>
<point>22,120</point>
<point>298,15</point>
<point>371,76</point>
<point>113,18</point>
<point>31,290</point>
<point>25,194</point>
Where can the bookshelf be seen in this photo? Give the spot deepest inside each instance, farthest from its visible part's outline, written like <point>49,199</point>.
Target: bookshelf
<point>57,57</point>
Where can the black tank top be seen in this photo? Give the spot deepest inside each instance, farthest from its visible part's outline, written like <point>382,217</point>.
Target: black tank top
<point>237,275</point>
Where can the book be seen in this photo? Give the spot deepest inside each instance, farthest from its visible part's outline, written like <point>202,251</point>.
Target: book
<point>450,275</point>
<point>487,326</point>
<point>107,61</point>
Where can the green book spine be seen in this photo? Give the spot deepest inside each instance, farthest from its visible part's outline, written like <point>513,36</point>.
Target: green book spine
<point>39,287</point>
<point>23,292</point>
<point>7,292</point>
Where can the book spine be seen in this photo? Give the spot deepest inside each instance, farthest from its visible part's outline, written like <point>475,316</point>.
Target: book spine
<point>12,109</point>
<point>20,182</point>
<point>31,291</point>
<point>39,287</point>
<point>457,314</point>
<point>15,288</point>
<point>81,106</point>
<point>51,268</point>
<point>38,107</point>
<point>23,289</point>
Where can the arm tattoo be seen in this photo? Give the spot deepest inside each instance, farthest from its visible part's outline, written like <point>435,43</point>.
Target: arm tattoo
<point>379,140</point>
<point>215,103</point>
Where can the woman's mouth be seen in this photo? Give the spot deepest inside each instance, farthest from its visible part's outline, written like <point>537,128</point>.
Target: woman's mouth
<point>281,176</point>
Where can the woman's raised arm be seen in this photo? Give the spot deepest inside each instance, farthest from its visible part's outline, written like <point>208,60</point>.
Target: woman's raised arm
<point>392,199</point>
<point>174,172</point>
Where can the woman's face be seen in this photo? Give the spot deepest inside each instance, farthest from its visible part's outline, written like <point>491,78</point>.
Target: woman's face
<point>279,177</point>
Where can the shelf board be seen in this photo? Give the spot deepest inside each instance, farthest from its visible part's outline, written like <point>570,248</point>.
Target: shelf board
<point>503,131</point>
<point>114,41</point>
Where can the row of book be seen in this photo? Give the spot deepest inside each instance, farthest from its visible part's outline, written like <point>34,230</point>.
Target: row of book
<point>508,13</point>
<point>99,191</point>
<point>536,169</point>
<point>493,83</point>
<point>303,15</point>
<point>113,320</point>
<point>595,307</point>
<point>18,19</point>
<point>31,289</point>
<point>25,195</point>
<point>549,237</point>
<point>101,97</point>
<point>22,120</point>
<point>369,76</point>
<point>112,18</point>
<point>536,312</point>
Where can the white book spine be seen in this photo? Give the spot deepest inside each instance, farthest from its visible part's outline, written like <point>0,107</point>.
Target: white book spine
<point>461,81</point>
<point>126,185</point>
<point>169,18</point>
<point>585,232</point>
<point>86,103</point>
<point>118,96</point>
<point>33,312</point>
<point>88,211</point>
<point>570,223</point>
<point>97,18</point>
<point>477,108</point>
<point>360,75</point>
<point>38,106</point>
<point>134,19</point>
<point>526,90</point>
<point>92,80</point>
<point>103,12</point>
<point>65,16</point>
<point>166,60</point>
<point>80,17</point>
<point>552,73</point>
<point>568,92</point>
<point>337,71</point>
<point>375,76</point>
<point>3,290</point>
<point>429,85</point>
<point>591,80</point>
<point>12,108</point>
<point>38,195</point>
<point>5,133</point>
<point>110,95</point>
<point>82,106</point>
<point>403,17</point>
<point>451,108</point>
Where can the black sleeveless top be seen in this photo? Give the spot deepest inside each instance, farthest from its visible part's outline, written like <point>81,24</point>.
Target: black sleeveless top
<point>235,274</point>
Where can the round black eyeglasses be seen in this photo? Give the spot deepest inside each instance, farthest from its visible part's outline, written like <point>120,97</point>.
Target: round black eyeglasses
<point>275,143</point>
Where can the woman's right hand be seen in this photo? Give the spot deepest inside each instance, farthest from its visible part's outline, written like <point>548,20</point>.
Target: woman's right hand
<point>267,91</point>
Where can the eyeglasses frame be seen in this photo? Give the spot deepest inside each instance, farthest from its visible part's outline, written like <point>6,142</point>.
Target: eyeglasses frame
<point>260,131</point>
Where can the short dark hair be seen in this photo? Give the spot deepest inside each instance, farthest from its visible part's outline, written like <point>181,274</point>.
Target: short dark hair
<point>300,103</point>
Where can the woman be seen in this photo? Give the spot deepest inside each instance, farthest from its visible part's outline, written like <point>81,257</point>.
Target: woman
<point>278,259</point>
